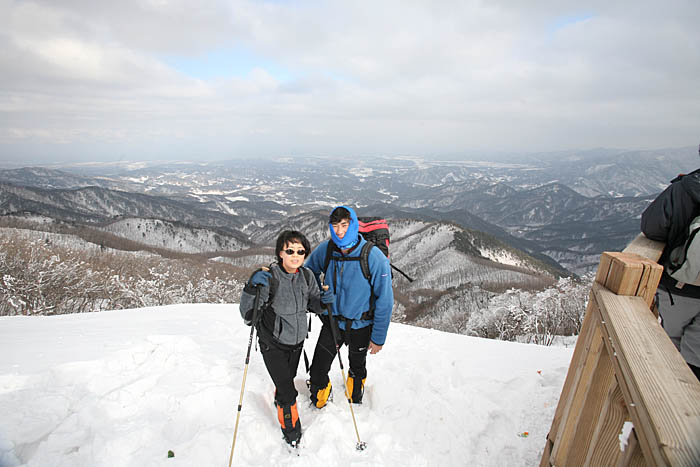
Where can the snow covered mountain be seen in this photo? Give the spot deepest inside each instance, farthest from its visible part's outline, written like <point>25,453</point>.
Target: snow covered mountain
<point>125,388</point>
<point>567,207</point>
<point>94,205</point>
<point>175,236</point>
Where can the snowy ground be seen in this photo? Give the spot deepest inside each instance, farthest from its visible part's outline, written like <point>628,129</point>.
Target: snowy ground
<point>122,388</point>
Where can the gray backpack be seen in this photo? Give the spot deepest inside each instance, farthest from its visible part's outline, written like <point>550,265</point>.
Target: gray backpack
<point>683,262</point>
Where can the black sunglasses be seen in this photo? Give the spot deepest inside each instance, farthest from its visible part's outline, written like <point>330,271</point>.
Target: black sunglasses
<point>290,252</point>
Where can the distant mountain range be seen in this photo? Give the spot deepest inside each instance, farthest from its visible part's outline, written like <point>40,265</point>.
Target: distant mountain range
<point>563,209</point>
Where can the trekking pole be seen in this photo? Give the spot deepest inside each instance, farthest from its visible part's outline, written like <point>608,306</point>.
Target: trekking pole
<point>245,370</point>
<point>361,445</point>
<point>401,272</point>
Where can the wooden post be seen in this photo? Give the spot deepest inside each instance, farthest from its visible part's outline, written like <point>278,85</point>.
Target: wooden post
<point>583,345</point>
<point>625,368</point>
<point>576,428</point>
<point>629,274</point>
<point>574,408</point>
<point>602,379</point>
<point>661,393</point>
<point>605,445</point>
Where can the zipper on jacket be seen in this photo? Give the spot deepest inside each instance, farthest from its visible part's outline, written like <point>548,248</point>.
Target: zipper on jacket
<point>338,288</point>
<point>297,301</point>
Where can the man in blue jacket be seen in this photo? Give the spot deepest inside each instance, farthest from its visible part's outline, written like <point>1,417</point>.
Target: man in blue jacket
<point>362,308</point>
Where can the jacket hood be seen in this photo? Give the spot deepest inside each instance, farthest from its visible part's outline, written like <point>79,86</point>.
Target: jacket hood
<point>351,237</point>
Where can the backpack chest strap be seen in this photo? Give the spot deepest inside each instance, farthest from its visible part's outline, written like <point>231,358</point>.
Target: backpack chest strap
<point>366,316</point>
<point>363,258</point>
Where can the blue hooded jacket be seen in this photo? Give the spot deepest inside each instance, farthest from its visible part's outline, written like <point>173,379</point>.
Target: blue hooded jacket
<point>351,288</point>
<point>350,238</point>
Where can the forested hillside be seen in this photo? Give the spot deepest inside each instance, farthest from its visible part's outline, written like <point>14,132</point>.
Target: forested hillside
<point>498,249</point>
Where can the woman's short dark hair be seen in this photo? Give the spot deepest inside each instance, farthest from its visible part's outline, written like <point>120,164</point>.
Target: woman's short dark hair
<point>291,236</point>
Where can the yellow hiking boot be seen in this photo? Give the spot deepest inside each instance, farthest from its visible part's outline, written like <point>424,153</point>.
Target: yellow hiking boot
<point>319,396</point>
<point>356,391</point>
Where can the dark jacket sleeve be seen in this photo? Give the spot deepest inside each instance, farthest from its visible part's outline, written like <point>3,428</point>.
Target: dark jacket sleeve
<point>667,218</point>
<point>656,218</point>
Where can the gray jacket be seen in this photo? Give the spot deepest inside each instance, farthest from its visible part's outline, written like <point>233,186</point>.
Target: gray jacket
<point>284,314</point>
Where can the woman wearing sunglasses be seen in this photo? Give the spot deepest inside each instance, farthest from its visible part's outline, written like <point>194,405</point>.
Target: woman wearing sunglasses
<point>287,291</point>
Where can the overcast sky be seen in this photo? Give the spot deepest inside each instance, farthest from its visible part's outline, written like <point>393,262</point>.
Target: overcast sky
<point>161,79</point>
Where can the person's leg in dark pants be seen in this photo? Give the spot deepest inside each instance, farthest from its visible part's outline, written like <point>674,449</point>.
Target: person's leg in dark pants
<point>282,367</point>
<point>294,358</point>
<point>358,343</point>
<point>324,354</point>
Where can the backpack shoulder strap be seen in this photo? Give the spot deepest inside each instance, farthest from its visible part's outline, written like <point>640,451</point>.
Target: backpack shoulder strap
<point>329,254</point>
<point>274,283</point>
<point>364,260</point>
<point>308,275</point>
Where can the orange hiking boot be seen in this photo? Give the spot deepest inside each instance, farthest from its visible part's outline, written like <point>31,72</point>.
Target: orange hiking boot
<point>289,421</point>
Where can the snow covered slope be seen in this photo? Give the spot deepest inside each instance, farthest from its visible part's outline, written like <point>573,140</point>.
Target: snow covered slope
<point>122,388</point>
<point>174,236</point>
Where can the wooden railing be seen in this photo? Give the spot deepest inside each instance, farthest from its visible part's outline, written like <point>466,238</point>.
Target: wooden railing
<point>624,372</point>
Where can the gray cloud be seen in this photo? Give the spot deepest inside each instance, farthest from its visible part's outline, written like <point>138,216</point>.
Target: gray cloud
<point>95,79</point>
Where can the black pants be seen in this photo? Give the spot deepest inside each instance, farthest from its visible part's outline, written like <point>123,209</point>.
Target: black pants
<point>282,366</point>
<point>357,341</point>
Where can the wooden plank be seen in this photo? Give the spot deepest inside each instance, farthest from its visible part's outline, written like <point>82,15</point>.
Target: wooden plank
<point>622,377</point>
<point>605,444</point>
<point>629,274</point>
<point>664,395</point>
<point>649,282</point>
<point>645,247</point>
<point>546,455</point>
<point>603,377</point>
<point>601,275</point>
<point>637,457</point>
<point>583,344</point>
<point>619,272</point>
<point>632,273</point>
<point>632,456</point>
<point>567,429</point>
